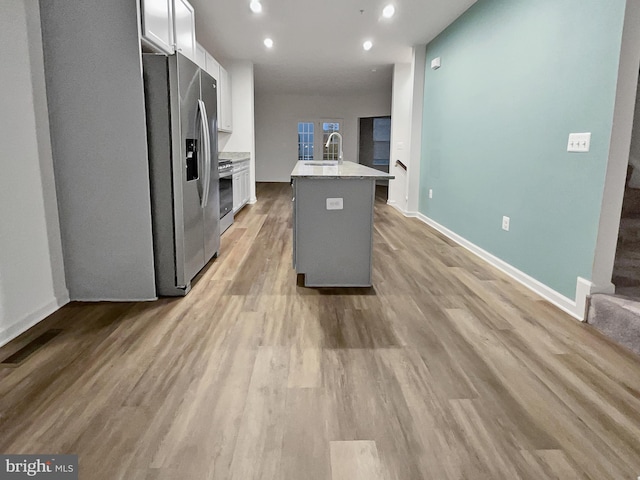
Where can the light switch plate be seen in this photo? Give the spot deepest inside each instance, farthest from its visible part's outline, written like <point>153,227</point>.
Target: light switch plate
<point>335,204</point>
<point>435,63</point>
<point>579,142</point>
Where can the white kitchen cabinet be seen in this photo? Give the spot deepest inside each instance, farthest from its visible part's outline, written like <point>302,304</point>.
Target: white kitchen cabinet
<point>247,187</point>
<point>225,123</point>
<point>201,56</point>
<point>185,28</point>
<point>241,185</point>
<point>212,67</point>
<point>157,24</point>
<point>237,194</point>
<point>223,80</point>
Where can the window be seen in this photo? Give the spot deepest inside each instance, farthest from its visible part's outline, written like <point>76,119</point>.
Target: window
<point>305,140</point>
<point>331,152</point>
<point>381,140</point>
<point>308,142</point>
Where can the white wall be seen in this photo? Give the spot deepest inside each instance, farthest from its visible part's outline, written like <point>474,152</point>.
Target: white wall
<point>277,117</point>
<point>406,131</point>
<point>619,150</point>
<point>32,281</point>
<point>242,139</point>
<point>98,129</point>
<point>418,65</point>
<point>401,108</point>
<point>634,153</point>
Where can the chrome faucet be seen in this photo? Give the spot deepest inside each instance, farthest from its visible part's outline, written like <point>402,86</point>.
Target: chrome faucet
<point>339,145</point>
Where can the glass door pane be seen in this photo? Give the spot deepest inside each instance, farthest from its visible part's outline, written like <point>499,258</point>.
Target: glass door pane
<point>305,140</point>
<point>328,127</point>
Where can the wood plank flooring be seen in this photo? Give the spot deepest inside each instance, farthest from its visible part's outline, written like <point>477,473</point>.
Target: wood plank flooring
<point>445,369</point>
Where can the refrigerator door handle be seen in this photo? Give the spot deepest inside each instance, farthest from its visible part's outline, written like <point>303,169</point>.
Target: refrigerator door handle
<point>207,152</point>
<point>205,126</point>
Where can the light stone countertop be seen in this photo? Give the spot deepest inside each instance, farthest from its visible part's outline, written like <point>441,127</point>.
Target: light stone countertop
<point>234,156</point>
<point>347,170</point>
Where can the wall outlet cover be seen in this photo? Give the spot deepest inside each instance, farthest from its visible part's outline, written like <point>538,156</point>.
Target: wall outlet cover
<point>579,142</point>
<point>505,223</point>
<point>335,204</point>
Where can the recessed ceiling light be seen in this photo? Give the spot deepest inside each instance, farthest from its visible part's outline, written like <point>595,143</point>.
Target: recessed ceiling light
<point>367,45</point>
<point>388,11</point>
<point>255,6</point>
<point>268,42</point>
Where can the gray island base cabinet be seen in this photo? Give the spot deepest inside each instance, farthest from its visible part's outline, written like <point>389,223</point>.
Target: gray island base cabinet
<point>333,223</point>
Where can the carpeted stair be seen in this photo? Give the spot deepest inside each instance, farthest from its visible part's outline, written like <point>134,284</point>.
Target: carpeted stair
<point>626,269</point>
<point>618,318</point>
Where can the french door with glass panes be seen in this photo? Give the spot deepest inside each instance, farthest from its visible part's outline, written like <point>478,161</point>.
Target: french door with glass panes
<point>313,136</point>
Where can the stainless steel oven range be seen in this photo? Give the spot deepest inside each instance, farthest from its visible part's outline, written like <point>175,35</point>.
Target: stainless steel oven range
<point>225,169</point>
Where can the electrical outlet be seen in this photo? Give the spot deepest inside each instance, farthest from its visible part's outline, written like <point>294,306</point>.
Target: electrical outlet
<point>335,204</point>
<point>505,223</point>
<point>430,193</point>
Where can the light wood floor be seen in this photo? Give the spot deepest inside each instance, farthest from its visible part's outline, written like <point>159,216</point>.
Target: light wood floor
<point>446,369</point>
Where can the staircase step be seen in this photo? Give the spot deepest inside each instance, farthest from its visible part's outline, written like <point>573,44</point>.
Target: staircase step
<point>625,279</point>
<point>629,229</point>
<point>618,318</point>
<point>631,202</point>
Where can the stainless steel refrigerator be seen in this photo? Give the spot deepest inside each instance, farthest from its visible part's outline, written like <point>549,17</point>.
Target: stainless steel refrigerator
<point>182,132</point>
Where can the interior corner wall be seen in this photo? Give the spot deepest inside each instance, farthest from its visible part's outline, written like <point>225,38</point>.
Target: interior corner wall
<point>95,96</point>
<point>277,117</point>
<point>415,161</point>
<point>402,98</point>
<point>516,78</point>
<point>620,152</point>
<point>634,153</point>
<point>32,283</point>
<point>242,139</point>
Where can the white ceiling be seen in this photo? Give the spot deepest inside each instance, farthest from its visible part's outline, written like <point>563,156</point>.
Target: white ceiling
<point>318,43</point>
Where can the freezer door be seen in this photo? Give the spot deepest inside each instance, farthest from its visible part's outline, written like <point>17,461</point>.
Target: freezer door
<point>193,170</point>
<point>211,211</point>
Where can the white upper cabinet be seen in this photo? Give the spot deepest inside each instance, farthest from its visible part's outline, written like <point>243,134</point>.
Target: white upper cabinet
<point>212,67</point>
<point>157,24</point>
<point>224,105</point>
<point>201,56</point>
<point>185,28</point>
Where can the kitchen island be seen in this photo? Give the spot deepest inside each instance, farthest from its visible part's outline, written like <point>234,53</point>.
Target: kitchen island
<point>333,222</point>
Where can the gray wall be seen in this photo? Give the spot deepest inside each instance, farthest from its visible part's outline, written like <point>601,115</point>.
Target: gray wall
<point>32,281</point>
<point>277,117</point>
<point>96,111</point>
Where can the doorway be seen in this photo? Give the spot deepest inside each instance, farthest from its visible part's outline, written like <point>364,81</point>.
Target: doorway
<point>626,267</point>
<point>375,149</point>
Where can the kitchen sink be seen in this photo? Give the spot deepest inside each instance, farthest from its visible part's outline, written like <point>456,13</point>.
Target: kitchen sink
<point>323,163</point>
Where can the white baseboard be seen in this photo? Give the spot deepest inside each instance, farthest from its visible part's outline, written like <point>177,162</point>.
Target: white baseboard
<point>114,300</point>
<point>393,204</point>
<point>576,308</point>
<point>21,326</point>
<point>252,200</point>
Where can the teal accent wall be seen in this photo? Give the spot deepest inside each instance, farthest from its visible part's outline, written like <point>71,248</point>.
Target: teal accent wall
<point>517,77</point>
